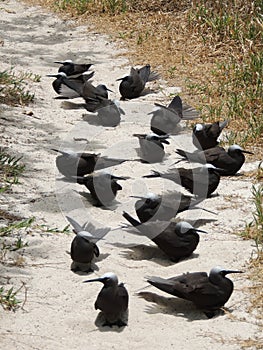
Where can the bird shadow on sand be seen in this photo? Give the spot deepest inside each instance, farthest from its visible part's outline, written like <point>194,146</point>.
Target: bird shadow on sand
<point>143,252</point>
<point>72,105</point>
<point>112,206</point>
<point>93,267</point>
<point>144,159</point>
<point>45,203</point>
<point>100,321</point>
<point>94,119</point>
<point>148,91</point>
<point>174,306</point>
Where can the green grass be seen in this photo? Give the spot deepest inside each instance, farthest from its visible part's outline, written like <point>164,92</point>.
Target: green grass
<point>12,239</point>
<point>14,87</point>
<point>77,7</point>
<point>254,229</point>
<point>48,229</point>
<point>236,90</point>
<point>8,299</point>
<point>10,170</point>
<point>10,228</point>
<point>30,223</point>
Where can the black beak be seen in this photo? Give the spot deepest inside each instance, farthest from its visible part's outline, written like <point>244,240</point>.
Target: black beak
<point>226,272</point>
<point>138,197</point>
<point>93,280</point>
<point>200,230</point>
<point>243,151</point>
<point>58,151</point>
<point>120,177</point>
<point>165,141</point>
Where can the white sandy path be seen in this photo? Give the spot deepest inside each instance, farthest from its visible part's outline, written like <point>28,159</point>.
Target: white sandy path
<point>59,312</point>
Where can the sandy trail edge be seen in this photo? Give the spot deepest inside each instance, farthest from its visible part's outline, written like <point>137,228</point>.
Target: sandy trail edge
<point>59,312</point>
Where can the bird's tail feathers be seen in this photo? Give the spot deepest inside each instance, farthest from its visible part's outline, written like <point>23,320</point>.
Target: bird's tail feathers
<point>182,153</point>
<point>189,112</point>
<point>88,75</point>
<point>223,124</point>
<point>131,220</point>
<point>97,233</point>
<point>154,76</point>
<point>77,227</point>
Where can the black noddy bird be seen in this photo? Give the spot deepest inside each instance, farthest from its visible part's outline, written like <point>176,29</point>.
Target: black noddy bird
<point>151,147</point>
<point>163,207</point>
<point>84,245</point>
<point>208,292</point>
<point>102,186</point>
<point>70,163</point>
<point>205,136</point>
<point>229,162</point>
<point>72,69</point>
<point>132,85</point>
<point>165,120</point>
<point>64,90</point>
<point>176,240</point>
<point>93,95</point>
<point>201,181</point>
<point>113,300</point>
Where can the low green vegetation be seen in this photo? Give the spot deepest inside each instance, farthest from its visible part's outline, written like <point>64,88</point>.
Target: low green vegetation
<point>13,243</point>
<point>235,88</point>
<point>8,299</point>
<point>14,87</point>
<point>10,170</point>
<point>254,229</point>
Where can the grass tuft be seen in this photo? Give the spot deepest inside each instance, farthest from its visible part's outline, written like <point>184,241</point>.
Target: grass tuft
<point>10,170</point>
<point>254,229</point>
<point>8,299</point>
<point>13,87</point>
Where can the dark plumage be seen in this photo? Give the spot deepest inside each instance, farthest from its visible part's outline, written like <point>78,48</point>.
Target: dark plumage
<point>202,181</point>
<point>151,147</point>
<point>205,135</point>
<point>72,69</point>
<point>229,162</point>
<point>103,187</point>
<point>165,120</point>
<point>94,96</point>
<point>208,293</point>
<point>132,85</point>
<point>113,300</point>
<point>64,90</point>
<point>163,207</point>
<point>72,164</point>
<point>176,240</point>
<point>84,245</point>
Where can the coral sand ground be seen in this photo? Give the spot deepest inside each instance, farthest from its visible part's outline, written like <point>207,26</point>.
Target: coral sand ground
<point>59,310</point>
